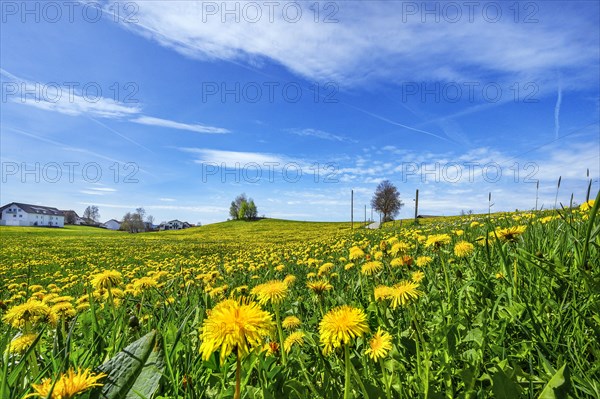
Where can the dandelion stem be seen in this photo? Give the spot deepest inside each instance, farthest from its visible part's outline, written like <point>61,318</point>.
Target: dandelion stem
<point>238,376</point>
<point>280,332</point>
<point>421,347</point>
<point>446,279</point>
<point>386,381</point>
<point>365,394</point>
<point>347,374</point>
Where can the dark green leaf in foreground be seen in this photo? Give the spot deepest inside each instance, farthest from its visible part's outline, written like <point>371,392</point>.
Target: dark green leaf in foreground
<point>135,372</point>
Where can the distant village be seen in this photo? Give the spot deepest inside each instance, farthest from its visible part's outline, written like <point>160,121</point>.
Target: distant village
<point>19,214</point>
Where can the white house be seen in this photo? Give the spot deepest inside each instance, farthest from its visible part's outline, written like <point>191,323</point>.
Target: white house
<point>17,214</point>
<point>112,224</point>
<point>174,225</point>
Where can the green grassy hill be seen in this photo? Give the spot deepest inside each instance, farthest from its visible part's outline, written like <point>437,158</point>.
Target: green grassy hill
<point>264,230</point>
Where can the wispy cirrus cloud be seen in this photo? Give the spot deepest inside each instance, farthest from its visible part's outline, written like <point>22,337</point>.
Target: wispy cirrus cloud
<point>98,191</point>
<point>366,42</point>
<point>198,128</point>
<point>67,101</point>
<point>320,134</point>
<point>233,158</point>
<point>64,100</point>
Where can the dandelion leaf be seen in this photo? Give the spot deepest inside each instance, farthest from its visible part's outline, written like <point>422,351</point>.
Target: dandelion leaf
<point>558,386</point>
<point>133,373</point>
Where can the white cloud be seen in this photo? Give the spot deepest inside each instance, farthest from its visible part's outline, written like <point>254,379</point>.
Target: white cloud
<point>91,192</point>
<point>104,189</point>
<point>68,101</point>
<point>62,99</point>
<point>320,134</point>
<point>149,120</point>
<point>98,190</point>
<point>234,158</point>
<point>372,42</point>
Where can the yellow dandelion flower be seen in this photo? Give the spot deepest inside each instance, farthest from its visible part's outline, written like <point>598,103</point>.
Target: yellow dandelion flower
<point>586,206</point>
<point>83,306</point>
<point>49,298</point>
<point>423,261</point>
<point>64,298</point>
<point>36,288</point>
<point>271,348</point>
<point>291,322</point>
<point>417,276</point>
<point>437,240</point>
<point>289,279</point>
<point>349,266</point>
<point>234,324</point>
<point>325,268</point>
<point>356,253</point>
<point>32,311</point>
<point>144,283</point>
<point>399,248</point>
<point>371,268</point>
<point>382,292</point>
<point>392,240</point>
<point>319,287</point>
<point>295,338</point>
<point>548,219</point>
<point>273,291</point>
<point>20,344</point>
<point>510,233</point>
<point>340,326</point>
<point>403,292</point>
<point>242,289</point>
<point>38,295</point>
<point>64,310</point>
<point>380,345</point>
<point>462,249</point>
<point>481,241</point>
<point>106,279</point>
<point>218,292</point>
<point>68,385</point>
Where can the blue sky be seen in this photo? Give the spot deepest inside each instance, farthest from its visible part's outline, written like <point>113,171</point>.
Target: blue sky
<point>179,106</point>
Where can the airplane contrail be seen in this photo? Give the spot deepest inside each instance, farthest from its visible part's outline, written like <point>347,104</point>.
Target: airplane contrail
<point>557,110</point>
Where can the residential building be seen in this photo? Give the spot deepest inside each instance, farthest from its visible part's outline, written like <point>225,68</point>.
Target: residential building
<point>19,214</point>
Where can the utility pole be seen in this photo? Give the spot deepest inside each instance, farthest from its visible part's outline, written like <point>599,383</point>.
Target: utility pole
<point>416,205</point>
<point>537,189</point>
<point>371,214</point>
<point>365,216</point>
<point>352,209</point>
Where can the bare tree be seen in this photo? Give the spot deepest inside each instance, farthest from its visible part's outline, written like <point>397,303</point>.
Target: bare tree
<point>70,217</point>
<point>91,213</point>
<point>386,200</point>
<point>132,222</point>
